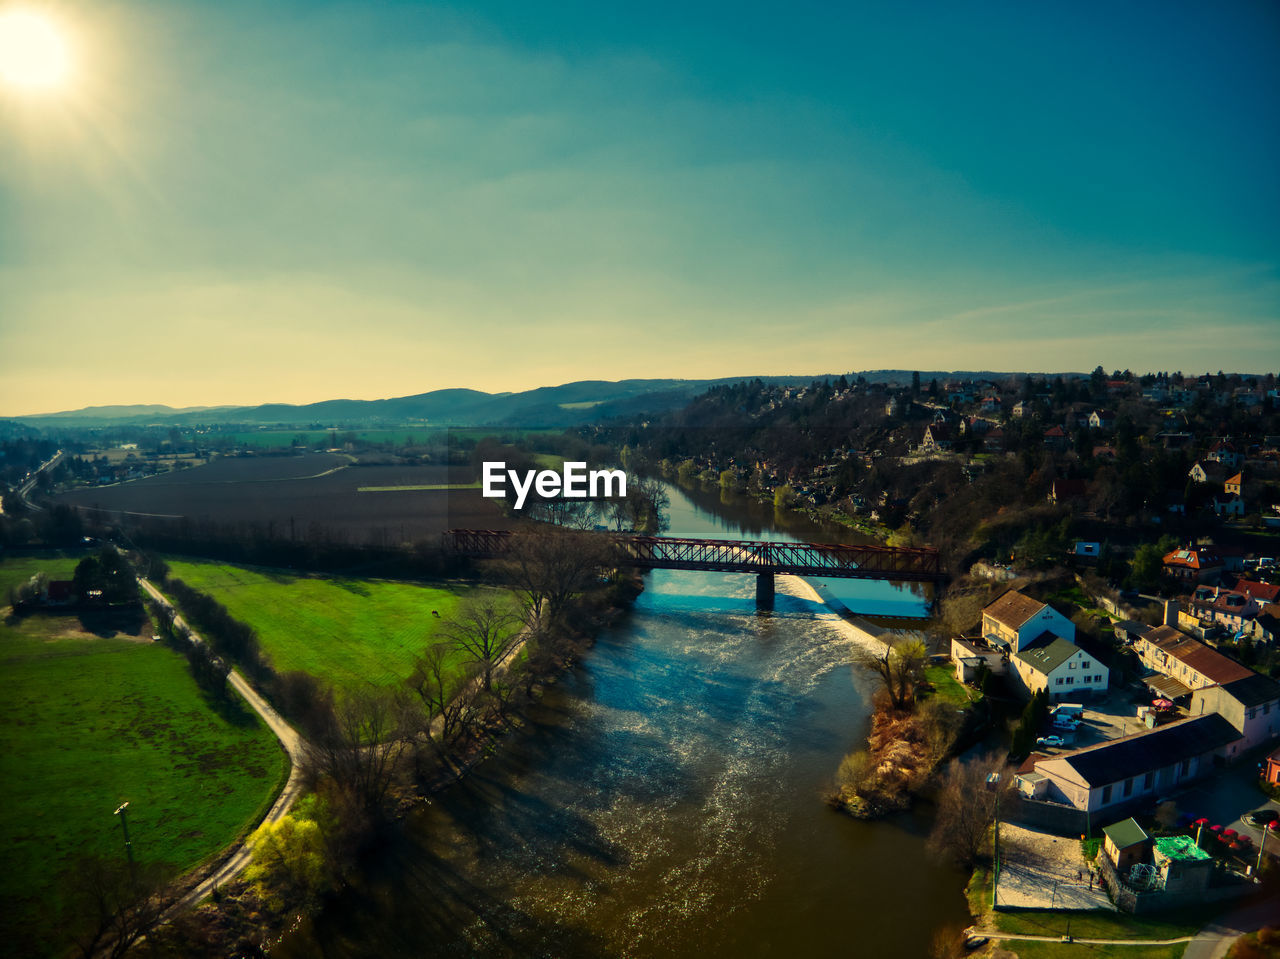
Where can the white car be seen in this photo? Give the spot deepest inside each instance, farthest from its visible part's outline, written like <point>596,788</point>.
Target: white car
<point>1051,741</point>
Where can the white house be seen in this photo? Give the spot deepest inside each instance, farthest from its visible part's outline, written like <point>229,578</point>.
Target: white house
<point>1013,620</point>
<point>1059,666</point>
<point>1251,705</point>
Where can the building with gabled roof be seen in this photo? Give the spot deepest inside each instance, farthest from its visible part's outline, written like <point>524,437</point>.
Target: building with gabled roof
<point>1013,619</point>
<point>1146,764</point>
<point>1251,705</point>
<point>1193,565</point>
<point>1058,666</point>
<point>1175,654</point>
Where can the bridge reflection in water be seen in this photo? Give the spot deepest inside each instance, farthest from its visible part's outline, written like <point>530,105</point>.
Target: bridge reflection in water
<point>765,558</point>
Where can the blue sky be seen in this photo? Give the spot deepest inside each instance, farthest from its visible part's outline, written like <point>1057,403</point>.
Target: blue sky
<point>247,202</point>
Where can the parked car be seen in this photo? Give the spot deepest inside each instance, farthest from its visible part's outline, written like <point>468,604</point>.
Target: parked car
<point>1051,741</point>
<point>1263,817</point>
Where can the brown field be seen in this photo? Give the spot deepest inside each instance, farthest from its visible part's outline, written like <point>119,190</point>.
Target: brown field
<point>295,496</point>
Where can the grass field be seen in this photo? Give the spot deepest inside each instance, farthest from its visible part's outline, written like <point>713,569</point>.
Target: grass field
<point>945,684</point>
<point>347,632</point>
<point>17,570</point>
<point>1062,950</point>
<point>87,723</point>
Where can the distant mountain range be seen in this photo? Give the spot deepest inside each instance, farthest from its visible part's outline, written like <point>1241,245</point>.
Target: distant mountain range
<point>586,401</point>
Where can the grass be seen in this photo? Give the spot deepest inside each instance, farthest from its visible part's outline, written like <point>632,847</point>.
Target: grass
<point>348,632</point>
<point>87,723</point>
<point>1063,950</point>
<point>17,570</point>
<point>945,684</point>
<point>1107,925</point>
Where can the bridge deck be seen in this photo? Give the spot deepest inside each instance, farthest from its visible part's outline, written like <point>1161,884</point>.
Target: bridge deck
<point>739,556</point>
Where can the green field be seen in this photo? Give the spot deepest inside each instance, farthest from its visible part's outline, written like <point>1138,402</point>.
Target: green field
<point>413,436</point>
<point>348,632</point>
<point>17,570</point>
<point>87,723</point>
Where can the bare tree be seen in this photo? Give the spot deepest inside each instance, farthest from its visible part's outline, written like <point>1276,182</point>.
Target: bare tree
<point>114,904</point>
<point>899,667</point>
<point>361,745</point>
<point>485,631</point>
<point>967,809</point>
<point>445,707</point>
<point>549,566</point>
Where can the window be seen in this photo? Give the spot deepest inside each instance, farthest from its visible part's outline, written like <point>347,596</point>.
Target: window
<point>1085,664</point>
<point>1069,680</point>
<point>1148,781</point>
<point>1251,713</point>
<point>1058,681</point>
<point>1266,709</point>
<point>1128,788</point>
<point>1071,665</point>
<point>1106,795</point>
<point>1184,768</point>
<point>1097,677</point>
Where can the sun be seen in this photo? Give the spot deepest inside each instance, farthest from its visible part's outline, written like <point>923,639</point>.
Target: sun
<point>32,53</point>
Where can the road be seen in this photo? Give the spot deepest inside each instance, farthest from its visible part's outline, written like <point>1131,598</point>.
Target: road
<point>30,483</point>
<point>293,744</point>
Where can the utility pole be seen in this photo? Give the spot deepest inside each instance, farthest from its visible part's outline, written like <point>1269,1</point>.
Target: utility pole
<point>1262,848</point>
<point>128,846</point>
<point>993,785</point>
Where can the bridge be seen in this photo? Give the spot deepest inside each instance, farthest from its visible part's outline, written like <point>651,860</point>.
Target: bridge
<point>765,558</point>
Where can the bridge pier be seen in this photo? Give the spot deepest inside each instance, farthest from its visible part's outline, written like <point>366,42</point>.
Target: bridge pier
<point>764,591</point>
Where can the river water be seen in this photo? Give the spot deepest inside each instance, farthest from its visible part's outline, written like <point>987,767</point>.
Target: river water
<point>666,800</point>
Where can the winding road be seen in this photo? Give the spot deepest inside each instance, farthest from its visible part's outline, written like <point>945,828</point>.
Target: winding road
<point>293,744</point>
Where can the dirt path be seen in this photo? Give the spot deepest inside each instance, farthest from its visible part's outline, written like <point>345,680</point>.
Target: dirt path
<point>231,866</point>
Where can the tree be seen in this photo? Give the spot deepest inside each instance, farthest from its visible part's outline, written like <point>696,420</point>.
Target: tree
<point>899,666</point>
<point>112,904</point>
<point>966,810</point>
<point>549,566</point>
<point>485,631</point>
<point>291,862</point>
<point>361,746</point>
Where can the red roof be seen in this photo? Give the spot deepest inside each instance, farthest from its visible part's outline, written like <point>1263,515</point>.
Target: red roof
<point>1053,432</point>
<point>1262,592</point>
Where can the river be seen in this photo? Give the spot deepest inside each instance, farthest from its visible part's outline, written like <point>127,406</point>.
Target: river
<point>666,800</point>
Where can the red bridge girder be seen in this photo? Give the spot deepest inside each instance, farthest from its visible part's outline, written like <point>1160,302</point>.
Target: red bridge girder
<point>737,556</point>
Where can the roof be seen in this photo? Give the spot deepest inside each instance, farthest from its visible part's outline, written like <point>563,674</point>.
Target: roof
<point>1167,686</point>
<point>1125,834</point>
<point>1253,690</point>
<point>1262,592</point>
<point>1193,558</point>
<point>1180,847</point>
<point>1237,479</point>
<point>1012,609</point>
<point>1148,751</point>
<point>1208,662</point>
<point>1045,658</point>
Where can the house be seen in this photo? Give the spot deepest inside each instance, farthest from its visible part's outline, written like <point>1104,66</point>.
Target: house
<point>1207,472</point>
<point>1251,705</point>
<point>1126,844</point>
<point>1260,593</point>
<point>1146,764</point>
<point>1102,419</point>
<point>1271,768</point>
<point>1086,551</point>
<point>61,592</point>
<point>1012,620</point>
<point>1189,661</point>
<point>1193,565</point>
<point>993,442</point>
<point>1265,627</point>
<point>1065,490</point>
<point>1226,607</point>
<point>1225,453</point>
<point>1056,438</point>
<point>1233,486</point>
<point>1059,666</point>
<point>937,436</point>
<point>969,657</point>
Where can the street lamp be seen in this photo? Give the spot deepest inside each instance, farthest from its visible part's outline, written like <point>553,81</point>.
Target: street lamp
<point>124,823</point>
<point>993,785</point>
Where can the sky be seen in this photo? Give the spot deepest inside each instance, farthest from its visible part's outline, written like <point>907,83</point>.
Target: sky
<point>243,202</point>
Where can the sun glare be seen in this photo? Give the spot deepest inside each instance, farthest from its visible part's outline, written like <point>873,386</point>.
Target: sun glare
<point>32,53</point>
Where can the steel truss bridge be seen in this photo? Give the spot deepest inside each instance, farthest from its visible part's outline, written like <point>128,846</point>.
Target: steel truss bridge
<point>765,558</point>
